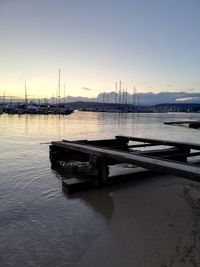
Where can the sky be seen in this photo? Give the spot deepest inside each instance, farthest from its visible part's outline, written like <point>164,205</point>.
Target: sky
<point>153,45</point>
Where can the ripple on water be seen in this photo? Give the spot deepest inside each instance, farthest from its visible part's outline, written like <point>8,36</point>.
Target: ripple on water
<point>41,226</point>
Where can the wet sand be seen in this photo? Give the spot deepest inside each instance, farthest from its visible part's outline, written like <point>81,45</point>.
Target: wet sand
<point>154,222</point>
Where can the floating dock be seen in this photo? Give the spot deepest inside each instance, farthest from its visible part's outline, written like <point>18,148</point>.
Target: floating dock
<point>161,156</point>
<point>192,124</point>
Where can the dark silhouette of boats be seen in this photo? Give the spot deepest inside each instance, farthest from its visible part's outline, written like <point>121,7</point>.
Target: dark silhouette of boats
<point>33,108</point>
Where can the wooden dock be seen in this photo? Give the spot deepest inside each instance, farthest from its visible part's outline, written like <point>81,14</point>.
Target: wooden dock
<point>100,154</point>
<point>192,124</point>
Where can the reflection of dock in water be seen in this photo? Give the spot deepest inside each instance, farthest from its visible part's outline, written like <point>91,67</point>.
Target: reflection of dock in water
<point>98,156</point>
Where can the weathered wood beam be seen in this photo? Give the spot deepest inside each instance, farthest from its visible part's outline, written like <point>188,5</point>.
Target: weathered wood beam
<point>188,155</point>
<point>161,142</point>
<point>120,144</point>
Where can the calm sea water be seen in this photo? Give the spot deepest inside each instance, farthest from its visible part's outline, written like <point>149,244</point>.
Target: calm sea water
<point>39,224</point>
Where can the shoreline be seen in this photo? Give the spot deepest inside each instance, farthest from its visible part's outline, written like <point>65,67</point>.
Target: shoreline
<point>155,222</point>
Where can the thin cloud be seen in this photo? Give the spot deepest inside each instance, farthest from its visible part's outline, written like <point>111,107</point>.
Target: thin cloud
<point>86,89</point>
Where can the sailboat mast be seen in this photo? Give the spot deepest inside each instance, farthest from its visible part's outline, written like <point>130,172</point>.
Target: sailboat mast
<point>26,100</point>
<point>59,86</point>
<point>64,93</point>
<point>120,86</point>
<point>116,92</point>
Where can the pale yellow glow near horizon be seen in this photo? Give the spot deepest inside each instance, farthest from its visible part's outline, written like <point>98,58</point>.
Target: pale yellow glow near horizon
<point>45,89</point>
<point>47,86</point>
<point>51,91</point>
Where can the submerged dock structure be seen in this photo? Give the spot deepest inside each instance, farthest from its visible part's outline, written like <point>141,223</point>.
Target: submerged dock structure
<point>161,156</point>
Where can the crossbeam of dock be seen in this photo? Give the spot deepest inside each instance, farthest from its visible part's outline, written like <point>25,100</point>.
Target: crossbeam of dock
<point>160,142</point>
<point>185,170</point>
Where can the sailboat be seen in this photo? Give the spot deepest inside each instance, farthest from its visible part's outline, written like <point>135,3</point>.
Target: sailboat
<point>61,107</point>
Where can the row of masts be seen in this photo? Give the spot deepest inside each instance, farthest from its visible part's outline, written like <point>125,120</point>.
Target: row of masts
<point>121,95</point>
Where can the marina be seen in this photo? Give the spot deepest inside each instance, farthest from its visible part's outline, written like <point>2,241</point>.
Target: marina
<point>36,109</point>
<point>100,134</point>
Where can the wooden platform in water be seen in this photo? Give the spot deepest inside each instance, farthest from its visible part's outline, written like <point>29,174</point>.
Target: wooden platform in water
<point>191,124</point>
<point>100,154</point>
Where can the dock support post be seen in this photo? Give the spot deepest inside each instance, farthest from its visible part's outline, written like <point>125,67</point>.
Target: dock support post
<point>54,156</point>
<point>100,164</point>
<point>102,171</point>
<point>183,151</point>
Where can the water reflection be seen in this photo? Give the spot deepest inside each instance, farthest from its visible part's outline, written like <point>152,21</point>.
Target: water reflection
<point>40,225</point>
<point>99,200</point>
<point>114,117</point>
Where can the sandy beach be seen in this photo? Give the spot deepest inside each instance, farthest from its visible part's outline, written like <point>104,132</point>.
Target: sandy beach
<point>153,221</point>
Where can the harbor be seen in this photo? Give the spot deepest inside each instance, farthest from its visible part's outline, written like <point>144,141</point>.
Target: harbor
<point>60,106</point>
<point>100,133</point>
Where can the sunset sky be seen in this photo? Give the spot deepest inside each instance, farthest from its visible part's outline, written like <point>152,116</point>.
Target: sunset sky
<point>151,44</point>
